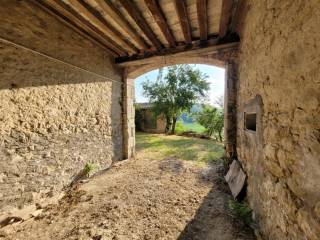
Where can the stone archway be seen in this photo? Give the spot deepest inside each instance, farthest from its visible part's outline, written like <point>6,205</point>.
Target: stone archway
<point>223,57</point>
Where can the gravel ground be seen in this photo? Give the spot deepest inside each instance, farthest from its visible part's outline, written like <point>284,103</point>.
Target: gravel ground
<point>144,198</point>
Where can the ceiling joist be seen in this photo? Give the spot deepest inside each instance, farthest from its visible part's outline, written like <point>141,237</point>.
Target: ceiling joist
<point>75,27</point>
<point>202,19</point>
<point>117,16</point>
<point>81,7</point>
<point>71,17</point>
<point>226,15</point>
<point>135,14</point>
<point>184,20</point>
<point>160,19</point>
<point>133,30</point>
<point>89,24</point>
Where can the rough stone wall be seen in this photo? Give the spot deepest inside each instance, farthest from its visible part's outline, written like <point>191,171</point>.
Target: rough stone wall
<point>128,117</point>
<point>279,61</point>
<point>55,117</point>
<point>160,122</point>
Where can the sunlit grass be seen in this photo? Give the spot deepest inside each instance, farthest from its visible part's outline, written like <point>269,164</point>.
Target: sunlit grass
<point>160,146</point>
<point>187,127</point>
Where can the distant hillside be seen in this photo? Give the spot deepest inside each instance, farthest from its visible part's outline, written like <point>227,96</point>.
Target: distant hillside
<point>186,117</point>
<point>196,108</point>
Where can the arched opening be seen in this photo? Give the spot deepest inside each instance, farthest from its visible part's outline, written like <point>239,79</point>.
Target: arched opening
<point>202,120</point>
<point>134,72</point>
<point>150,123</point>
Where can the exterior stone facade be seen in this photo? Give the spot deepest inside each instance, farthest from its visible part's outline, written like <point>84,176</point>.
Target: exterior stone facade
<point>58,111</point>
<point>279,62</point>
<point>147,121</point>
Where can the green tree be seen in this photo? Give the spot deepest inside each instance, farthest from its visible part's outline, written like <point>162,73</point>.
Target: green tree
<point>181,88</point>
<point>212,119</point>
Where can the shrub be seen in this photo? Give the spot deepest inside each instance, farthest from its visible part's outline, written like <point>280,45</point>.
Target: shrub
<point>179,127</point>
<point>88,169</point>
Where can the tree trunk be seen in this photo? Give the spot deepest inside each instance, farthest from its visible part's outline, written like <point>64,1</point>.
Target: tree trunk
<point>220,137</point>
<point>174,121</point>
<point>168,124</point>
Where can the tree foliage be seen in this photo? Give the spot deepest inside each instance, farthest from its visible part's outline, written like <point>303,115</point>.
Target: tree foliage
<point>212,119</point>
<point>181,88</point>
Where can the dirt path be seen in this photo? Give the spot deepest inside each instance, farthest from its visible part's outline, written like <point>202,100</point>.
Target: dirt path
<point>140,199</point>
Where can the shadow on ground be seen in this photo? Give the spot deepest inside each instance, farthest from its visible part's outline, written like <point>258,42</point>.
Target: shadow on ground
<point>213,219</point>
<point>207,222</point>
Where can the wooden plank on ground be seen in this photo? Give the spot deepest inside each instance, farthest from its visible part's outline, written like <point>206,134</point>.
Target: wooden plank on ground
<point>235,178</point>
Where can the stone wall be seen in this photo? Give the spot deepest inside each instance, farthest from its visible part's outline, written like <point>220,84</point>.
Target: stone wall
<point>279,63</point>
<point>129,140</point>
<point>149,122</point>
<point>57,114</point>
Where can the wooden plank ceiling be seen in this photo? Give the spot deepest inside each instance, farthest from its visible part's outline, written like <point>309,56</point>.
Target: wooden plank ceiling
<point>137,29</point>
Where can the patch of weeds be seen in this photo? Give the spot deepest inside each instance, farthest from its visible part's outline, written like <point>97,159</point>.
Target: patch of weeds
<point>88,169</point>
<point>242,211</point>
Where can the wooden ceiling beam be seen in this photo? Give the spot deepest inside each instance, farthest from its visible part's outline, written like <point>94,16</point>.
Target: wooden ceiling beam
<point>75,27</point>
<point>117,16</point>
<point>114,32</point>
<point>87,24</point>
<point>160,19</point>
<point>136,15</point>
<point>202,19</point>
<point>226,16</point>
<point>70,17</point>
<point>82,8</point>
<point>181,9</point>
<point>183,53</point>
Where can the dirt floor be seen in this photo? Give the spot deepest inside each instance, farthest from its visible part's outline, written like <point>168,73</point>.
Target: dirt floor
<point>146,198</point>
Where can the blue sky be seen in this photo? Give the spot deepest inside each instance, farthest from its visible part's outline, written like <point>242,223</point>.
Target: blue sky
<point>216,79</point>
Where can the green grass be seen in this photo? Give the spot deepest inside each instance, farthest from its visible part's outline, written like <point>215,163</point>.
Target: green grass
<point>185,127</point>
<point>160,146</point>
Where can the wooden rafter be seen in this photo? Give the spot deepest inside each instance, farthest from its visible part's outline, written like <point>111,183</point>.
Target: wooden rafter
<point>135,14</point>
<point>82,8</point>
<point>202,19</point>
<point>226,15</point>
<point>114,32</point>
<point>75,27</point>
<point>62,10</point>
<point>184,20</point>
<point>117,16</point>
<point>240,9</point>
<point>160,19</point>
